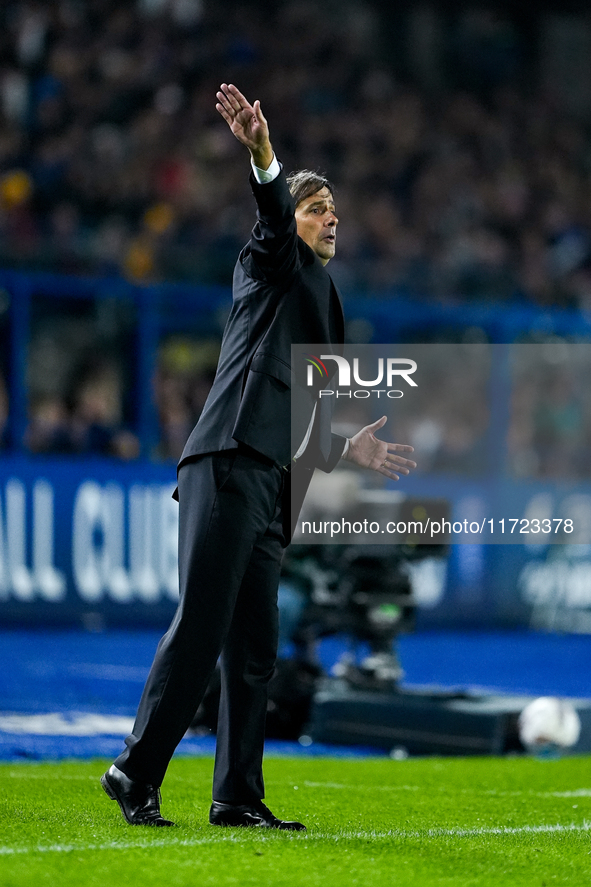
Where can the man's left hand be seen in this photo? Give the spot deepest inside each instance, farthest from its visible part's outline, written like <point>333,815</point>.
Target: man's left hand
<point>367,451</point>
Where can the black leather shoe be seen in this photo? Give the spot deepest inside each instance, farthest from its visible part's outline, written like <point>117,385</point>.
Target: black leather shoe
<point>139,802</point>
<point>249,815</point>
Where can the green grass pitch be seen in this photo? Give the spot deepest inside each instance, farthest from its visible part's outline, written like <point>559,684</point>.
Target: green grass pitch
<point>419,822</point>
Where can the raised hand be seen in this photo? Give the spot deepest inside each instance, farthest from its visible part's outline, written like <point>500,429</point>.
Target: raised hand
<point>367,451</point>
<point>247,122</point>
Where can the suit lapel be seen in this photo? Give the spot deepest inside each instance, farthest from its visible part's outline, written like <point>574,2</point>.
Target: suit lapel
<point>337,313</point>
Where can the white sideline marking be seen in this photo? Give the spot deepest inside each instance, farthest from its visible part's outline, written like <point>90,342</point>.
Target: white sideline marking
<point>315,836</point>
<point>503,830</point>
<point>575,793</point>
<point>55,724</point>
<point>21,774</point>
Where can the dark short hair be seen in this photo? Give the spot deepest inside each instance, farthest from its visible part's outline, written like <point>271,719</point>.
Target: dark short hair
<point>304,183</point>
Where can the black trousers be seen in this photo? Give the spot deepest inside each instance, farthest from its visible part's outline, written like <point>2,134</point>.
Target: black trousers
<point>231,543</point>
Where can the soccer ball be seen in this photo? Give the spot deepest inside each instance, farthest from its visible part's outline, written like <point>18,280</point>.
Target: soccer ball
<point>549,722</point>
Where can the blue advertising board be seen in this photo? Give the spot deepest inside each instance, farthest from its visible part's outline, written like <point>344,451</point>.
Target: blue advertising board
<point>87,540</point>
<point>94,542</point>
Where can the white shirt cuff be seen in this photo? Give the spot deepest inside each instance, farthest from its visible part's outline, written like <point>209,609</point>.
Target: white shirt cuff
<point>264,176</point>
<point>345,449</point>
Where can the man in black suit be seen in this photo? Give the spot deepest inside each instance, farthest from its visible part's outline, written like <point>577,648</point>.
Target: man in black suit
<point>236,481</point>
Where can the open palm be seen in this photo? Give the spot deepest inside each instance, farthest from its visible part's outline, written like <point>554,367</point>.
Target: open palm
<point>246,121</point>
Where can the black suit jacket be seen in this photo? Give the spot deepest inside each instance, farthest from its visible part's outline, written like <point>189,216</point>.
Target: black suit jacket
<point>282,294</point>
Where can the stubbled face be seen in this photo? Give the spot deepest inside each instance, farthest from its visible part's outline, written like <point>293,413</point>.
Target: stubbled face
<point>317,223</point>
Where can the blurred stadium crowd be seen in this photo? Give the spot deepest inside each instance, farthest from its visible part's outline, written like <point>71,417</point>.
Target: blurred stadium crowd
<point>113,162</point>
<point>113,159</point>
